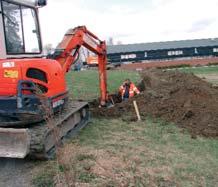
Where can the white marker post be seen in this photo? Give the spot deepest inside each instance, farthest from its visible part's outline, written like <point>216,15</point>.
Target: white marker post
<point>137,110</point>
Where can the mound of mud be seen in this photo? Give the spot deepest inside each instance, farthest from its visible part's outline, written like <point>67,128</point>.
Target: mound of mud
<point>184,99</point>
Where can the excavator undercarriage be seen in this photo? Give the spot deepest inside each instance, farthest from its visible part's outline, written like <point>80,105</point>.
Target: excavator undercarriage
<point>40,140</point>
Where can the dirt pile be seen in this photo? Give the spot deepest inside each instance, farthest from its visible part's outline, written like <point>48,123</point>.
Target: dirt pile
<point>184,99</point>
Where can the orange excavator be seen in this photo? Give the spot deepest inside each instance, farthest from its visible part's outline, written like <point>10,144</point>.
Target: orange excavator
<point>92,61</point>
<point>33,87</point>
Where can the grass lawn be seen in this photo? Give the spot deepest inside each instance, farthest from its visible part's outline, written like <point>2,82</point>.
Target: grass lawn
<point>85,85</point>
<point>208,73</point>
<point>117,153</point>
<point>201,70</point>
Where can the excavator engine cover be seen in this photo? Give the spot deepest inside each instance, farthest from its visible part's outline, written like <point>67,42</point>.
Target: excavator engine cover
<point>29,90</point>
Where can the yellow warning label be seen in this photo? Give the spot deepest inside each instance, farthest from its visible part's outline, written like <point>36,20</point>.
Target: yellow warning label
<point>11,74</point>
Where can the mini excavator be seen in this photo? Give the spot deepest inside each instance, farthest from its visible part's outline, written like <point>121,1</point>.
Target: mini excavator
<point>33,86</point>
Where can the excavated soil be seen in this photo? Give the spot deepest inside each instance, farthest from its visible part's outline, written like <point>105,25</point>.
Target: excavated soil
<point>184,99</point>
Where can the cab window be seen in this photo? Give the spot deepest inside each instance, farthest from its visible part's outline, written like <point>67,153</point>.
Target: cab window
<point>21,29</point>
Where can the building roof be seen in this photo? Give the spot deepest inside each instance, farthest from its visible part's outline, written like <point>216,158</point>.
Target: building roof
<point>162,45</point>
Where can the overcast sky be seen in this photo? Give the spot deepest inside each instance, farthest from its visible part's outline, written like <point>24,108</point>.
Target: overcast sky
<point>131,21</point>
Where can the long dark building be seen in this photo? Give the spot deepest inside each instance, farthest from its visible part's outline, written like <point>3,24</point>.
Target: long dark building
<point>162,50</point>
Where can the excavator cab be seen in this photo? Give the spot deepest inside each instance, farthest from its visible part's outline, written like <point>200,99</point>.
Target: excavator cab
<point>20,32</point>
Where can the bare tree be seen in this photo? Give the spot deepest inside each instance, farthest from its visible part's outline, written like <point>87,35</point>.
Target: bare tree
<point>119,42</point>
<point>110,41</point>
<point>48,48</point>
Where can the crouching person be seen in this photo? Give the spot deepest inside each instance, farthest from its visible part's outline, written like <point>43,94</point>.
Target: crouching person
<point>128,90</point>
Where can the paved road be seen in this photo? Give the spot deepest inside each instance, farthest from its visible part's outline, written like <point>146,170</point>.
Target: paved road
<point>15,173</point>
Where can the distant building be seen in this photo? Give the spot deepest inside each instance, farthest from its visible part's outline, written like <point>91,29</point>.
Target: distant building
<point>162,50</point>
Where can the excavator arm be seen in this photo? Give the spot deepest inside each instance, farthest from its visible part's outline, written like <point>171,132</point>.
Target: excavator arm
<point>68,49</point>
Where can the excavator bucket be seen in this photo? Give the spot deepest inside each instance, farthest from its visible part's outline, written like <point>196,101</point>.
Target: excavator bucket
<point>14,143</point>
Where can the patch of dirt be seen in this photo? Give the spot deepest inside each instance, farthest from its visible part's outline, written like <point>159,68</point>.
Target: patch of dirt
<point>105,164</point>
<point>106,168</point>
<point>15,172</point>
<point>184,99</point>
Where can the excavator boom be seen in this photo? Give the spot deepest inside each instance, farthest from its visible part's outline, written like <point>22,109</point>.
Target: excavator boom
<point>68,50</point>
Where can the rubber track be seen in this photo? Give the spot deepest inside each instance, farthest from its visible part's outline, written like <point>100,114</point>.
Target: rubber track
<point>40,131</point>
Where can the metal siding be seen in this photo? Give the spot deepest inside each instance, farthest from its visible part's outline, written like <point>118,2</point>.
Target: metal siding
<point>141,56</point>
<point>114,58</point>
<point>205,51</point>
<point>162,45</point>
<point>189,52</point>
<point>163,54</point>
<point>158,54</point>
